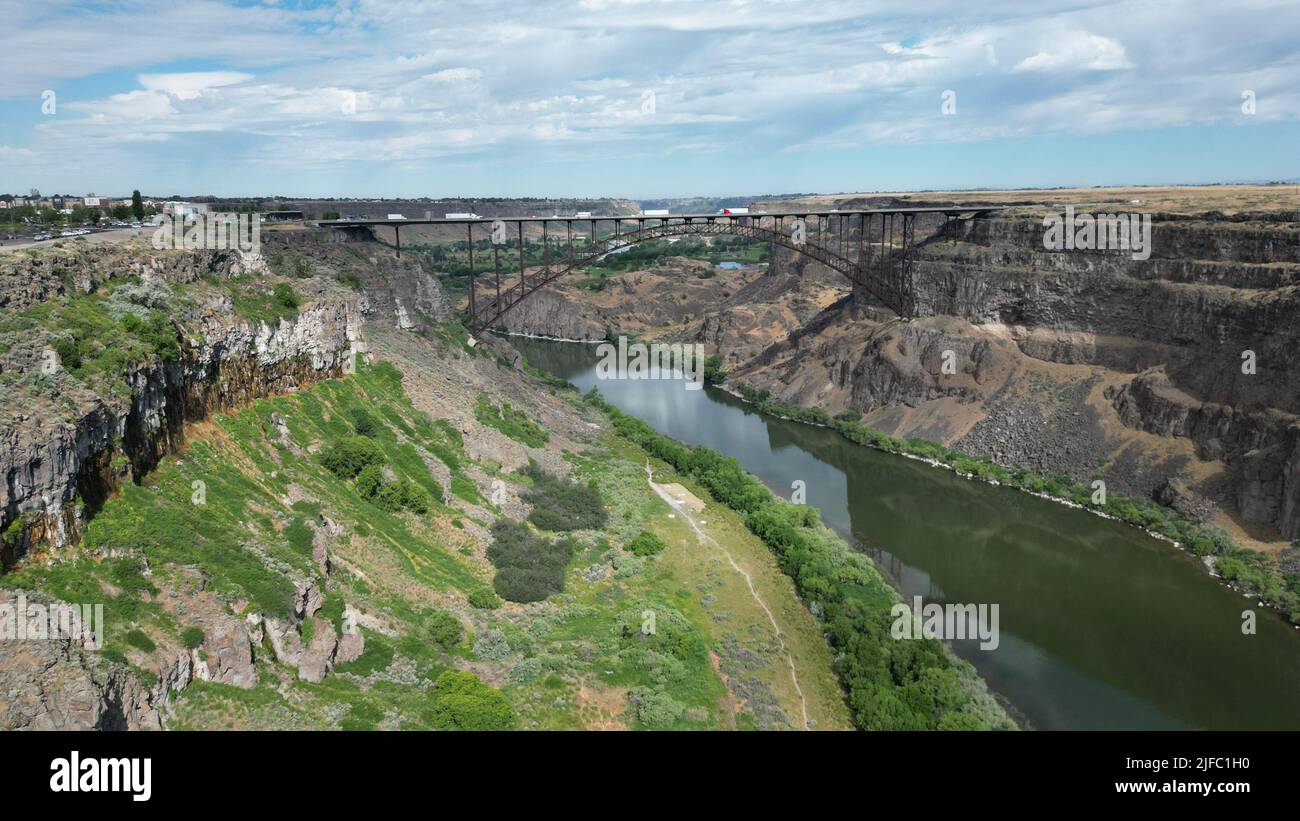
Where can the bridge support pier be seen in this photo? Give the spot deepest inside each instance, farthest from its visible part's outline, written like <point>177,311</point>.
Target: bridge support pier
<point>862,302</point>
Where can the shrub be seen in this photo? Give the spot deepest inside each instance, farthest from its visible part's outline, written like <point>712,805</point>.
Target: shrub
<point>491,645</point>
<point>510,421</point>
<point>560,505</point>
<point>369,481</point>
<point>626,566</point>
<point>482,598</point>
<point>402,495</point>
<point>155,330</point>
<point>527,670</point>
<point>69,353</point>
<point>137,639</point>
<point>363,422</point>
<point>529,568</point>
<point>645,544</point>
<point>192,637</point>
<point>445,629</point>
<point>284,296</point>
<point>656,709</point>
<point>462,702</point>
<point>347,458</point>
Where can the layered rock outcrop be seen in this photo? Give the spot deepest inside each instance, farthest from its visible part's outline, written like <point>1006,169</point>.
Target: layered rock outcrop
<point>1196,343</point>
<point>56,463</point>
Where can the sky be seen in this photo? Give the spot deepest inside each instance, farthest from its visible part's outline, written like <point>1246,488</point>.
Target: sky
<point>642,98</point>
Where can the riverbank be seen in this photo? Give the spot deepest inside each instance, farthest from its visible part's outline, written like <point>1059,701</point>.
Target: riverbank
<point>890,684</point>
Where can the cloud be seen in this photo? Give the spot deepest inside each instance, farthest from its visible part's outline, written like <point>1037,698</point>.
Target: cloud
<point>1079,51</point>
<point>298,88</point>
<point>190,85</point>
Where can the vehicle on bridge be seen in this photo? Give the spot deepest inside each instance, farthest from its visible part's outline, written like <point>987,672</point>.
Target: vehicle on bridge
<point>466,216</point>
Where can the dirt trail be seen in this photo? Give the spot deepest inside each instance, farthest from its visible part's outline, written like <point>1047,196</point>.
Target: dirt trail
<point>685,511</point>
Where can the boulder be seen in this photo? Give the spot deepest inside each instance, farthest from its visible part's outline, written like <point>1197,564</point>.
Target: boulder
<point>318,658</point>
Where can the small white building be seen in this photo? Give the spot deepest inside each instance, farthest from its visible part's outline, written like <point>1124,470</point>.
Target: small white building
<point>184,209</point>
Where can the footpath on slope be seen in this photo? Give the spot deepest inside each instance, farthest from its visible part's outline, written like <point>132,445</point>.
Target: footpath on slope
<point>690,518</point>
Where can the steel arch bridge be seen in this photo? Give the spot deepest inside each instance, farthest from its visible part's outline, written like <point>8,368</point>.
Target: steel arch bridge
<point>871,248</point>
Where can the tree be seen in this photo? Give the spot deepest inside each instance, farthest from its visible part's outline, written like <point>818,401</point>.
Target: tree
<point>137,205</point>
<point>445,629</point>
<point>363,422</point>
<point>462,702</point>
<point>349,456</point>
<point>645,544</point>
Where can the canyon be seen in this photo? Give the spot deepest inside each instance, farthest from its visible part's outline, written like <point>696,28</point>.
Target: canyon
<point>1085,364</point>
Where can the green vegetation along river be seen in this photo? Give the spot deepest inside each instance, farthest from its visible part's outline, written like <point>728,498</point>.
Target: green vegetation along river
<point>1101,625</point>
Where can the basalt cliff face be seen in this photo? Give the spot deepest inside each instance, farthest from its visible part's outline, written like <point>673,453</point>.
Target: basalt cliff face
<point>1173,376</point>
<point>74,436</point>
<point>67,447</point>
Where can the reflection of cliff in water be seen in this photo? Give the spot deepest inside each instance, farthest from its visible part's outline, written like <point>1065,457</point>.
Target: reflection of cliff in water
<point>1064,580</point>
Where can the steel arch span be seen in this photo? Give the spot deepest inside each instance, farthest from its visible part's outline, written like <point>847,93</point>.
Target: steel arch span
<point>870,248</point>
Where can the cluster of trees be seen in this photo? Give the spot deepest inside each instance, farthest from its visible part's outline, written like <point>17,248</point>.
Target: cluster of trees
<point>80,215</point>
<point>891,684</point>
<point>361,459</point>
<point>347,457</point>
<point>560,505</point>
<point>529,567</point>
<point>400,494</point>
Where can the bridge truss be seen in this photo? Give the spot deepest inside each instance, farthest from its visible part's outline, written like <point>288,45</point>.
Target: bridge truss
<point>871,248</point>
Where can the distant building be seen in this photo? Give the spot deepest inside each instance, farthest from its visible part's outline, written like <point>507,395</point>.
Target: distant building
<point>184,209</point>
<point>281,216</point>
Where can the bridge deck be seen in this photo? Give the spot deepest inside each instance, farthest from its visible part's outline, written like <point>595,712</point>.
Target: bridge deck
<point>954,210</point>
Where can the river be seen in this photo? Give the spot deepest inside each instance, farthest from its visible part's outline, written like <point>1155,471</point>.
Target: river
<point>1101,626</point>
